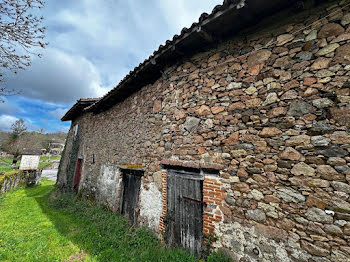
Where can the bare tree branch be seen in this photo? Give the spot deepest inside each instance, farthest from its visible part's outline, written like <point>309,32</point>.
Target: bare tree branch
<point>21,32</point>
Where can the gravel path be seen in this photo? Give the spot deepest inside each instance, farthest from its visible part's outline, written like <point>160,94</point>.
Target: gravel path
<point>50,174</point>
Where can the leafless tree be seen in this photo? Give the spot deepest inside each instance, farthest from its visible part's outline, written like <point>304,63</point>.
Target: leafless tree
<point>21,34</point>
<point>16,147</point>
<point>17,140</point>
<point>18,128</point>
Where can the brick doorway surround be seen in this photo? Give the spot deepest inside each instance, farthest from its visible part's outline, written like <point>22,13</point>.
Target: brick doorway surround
<point>213,196</point>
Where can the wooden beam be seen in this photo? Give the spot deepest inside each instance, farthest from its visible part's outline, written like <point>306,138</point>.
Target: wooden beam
<point>204,34</point>
<point>177,51</point>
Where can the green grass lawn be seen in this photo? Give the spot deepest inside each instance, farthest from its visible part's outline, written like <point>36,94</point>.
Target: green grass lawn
<point>44,164</point>
<point>37,226</point>
<point>51,158</point>
<point>5,162</point>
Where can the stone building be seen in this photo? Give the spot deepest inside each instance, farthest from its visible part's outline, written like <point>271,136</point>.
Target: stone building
<point>55,147</point>
<point>237,128</point>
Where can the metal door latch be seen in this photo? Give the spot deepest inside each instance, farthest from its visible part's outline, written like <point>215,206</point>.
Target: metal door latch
<point>192,199</point>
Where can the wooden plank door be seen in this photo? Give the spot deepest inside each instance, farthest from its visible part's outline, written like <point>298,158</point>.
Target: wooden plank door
<point>184,220</point>
<point>77,175</point>
<point>130,194</point>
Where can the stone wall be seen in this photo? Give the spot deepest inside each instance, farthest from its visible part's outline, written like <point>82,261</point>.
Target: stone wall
<point>108,186</point>
<point>73,150</point>
<point>270,110</point>
<point>11,180</point>
<point>63,168</point>
<point>151,206</point>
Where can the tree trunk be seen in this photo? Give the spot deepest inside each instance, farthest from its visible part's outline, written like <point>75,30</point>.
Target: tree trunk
<point>14,160</point>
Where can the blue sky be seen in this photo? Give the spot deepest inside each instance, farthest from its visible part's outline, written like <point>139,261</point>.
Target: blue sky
<point>93,44</point>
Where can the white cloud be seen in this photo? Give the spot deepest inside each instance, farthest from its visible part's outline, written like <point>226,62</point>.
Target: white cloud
<point>182,13</point>
<point>117,35</point>
<point>93,44</point>
<point>58,77</point>
<point>6,122</point>
<point>58,113</point>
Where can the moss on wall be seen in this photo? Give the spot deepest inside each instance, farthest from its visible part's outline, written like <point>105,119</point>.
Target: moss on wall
<point>73,157</point>
<point>62,162</point>
<point>11,180</point>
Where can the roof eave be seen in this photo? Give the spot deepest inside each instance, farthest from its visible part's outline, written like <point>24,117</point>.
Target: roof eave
<point>224,21</point>
<point>79,106</point>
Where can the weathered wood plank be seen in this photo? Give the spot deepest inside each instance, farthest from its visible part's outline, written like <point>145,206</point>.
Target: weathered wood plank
<point>178,209</point>
<point>170,223</point>
<point>132,183</point>
<point>190,212</point>
<point>187,211</point>
<point>184,203</point>
<point>199,218</point>
<point>182,211</point>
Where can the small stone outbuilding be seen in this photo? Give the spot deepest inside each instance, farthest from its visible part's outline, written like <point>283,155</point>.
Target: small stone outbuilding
<point>234,132</point>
